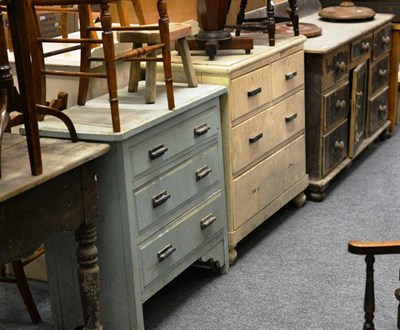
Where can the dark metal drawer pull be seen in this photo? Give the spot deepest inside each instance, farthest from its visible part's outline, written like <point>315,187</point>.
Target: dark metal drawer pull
<point>340,104</point>
<point>366,46</point>
<point>382,73</point>
<point>165,252</point>
<point>201,130</point>
<point>340,66</point>
<point>203,172</point>
<point>382,108</point>
<point>290,75</point>
<point>254,92</point>
<point>255,138</point>
<point>157,151</point>
<point>386,40</point>
<point>207,221</point>
<point>160,199</point>
<point>339,145</point>
<point>291,118</point>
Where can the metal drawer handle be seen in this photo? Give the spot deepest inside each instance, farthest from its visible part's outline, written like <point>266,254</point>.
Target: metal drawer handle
<point>201,130</point>
<point>382,108</point>
<point>290,75</point>
<point>340,66</point>
<point>365,46</point>
<point>382,73</point>
<point>255,138</point>
<point>203,172</point>
<point>254,92</point>
<point>160,199</point>
<point>165,252</point>
<point>207,221</point>
<point>340,104</point>
<point>339,145</point>
<point>291,118</point>
<point>386,40</point>
<point>157,151</point>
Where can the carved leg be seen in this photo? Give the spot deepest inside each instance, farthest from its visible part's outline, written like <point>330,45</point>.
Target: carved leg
<point>271,22</point>
<point>397,294</point>
<point>294,16</point>
<point>240,16</point>
<point>85,236</point>
<point>88,275</point>
<point>369,299</point>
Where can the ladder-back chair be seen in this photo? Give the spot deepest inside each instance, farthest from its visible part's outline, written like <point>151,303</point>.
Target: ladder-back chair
<point>85,43</point>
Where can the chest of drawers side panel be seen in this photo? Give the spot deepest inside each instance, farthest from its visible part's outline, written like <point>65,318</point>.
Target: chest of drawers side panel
<point>313,104</point>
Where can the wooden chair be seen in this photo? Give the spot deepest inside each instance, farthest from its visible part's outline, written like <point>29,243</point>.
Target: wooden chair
<point>85,43</point>
<point>178,32</point>
<point>23,287</point>
<point>370,249</point>
<point>268,22</point>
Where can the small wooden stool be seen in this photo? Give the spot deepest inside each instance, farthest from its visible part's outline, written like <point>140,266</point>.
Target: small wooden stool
<point>179,33</point>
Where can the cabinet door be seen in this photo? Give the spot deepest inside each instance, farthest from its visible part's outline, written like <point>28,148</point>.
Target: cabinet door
<point>358,107</point>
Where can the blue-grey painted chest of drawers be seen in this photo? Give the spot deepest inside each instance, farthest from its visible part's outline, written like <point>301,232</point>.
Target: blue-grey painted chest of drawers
<point>162,201</point>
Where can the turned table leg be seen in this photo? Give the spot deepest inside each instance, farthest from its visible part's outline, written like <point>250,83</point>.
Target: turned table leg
<point>87,254</point>
<point>271,22</point>
<point>294,16</point>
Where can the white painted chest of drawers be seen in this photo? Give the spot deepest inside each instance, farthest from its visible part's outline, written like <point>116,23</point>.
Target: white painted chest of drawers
<point>162,201</point>
<point>263,128</point>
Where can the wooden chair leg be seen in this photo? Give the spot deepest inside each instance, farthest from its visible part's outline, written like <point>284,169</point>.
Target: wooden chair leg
<point>166,52</point>
<point>240,16</point>
<point>294,16</point>
<point>150,89</point>
<point>25,291</point>
<point>369,298</point>
<point>397,295</point>
<point>187,62</point>
<point>271,22</point>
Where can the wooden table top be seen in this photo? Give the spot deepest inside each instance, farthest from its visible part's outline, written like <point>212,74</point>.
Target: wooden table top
<point>59,156</point>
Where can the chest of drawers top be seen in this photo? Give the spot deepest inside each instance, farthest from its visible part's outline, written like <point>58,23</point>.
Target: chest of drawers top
<point>234,63</point>
<point>336,34</point>
<point>93,121</point>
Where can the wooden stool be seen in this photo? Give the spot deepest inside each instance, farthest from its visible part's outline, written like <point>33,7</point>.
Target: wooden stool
<point>178,33</point>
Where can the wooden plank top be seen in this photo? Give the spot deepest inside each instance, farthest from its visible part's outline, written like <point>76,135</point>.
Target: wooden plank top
<point>59,156</point>
<point>93,121</point>
<point>336,34</point>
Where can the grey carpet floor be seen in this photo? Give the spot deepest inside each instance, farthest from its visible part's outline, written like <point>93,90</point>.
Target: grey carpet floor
<point>293,272</point>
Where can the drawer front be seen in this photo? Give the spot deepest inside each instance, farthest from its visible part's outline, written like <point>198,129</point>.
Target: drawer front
<point>382,41</point>
<point>288,74</point>
<point>250,91</point>
<point>173,189</point>
<point>380,74</point>
<point>336,106</point>
<point>361,47</point>
<point>165,145</point>
<point>335,67</point>
<point>259,186</point>
<point>256,136</point>
<point>335,147</point>
<point>161,252</point>
<point>378,110</point>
